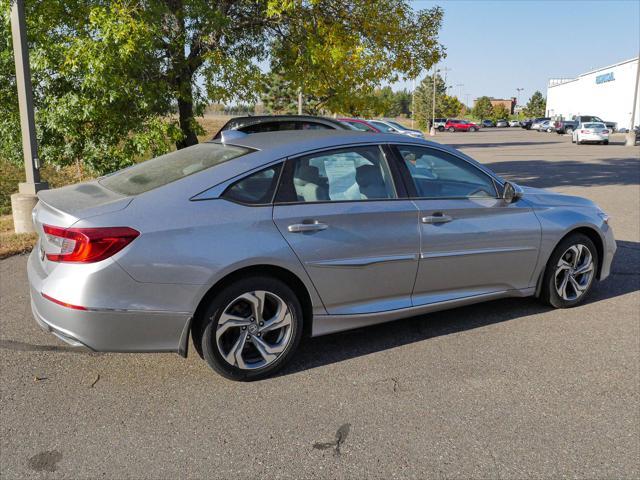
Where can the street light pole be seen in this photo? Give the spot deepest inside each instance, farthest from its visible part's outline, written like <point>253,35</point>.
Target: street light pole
<point>23,202</point>
<point>631,135</point>
<point>432,131</point>
<point>519,90</point>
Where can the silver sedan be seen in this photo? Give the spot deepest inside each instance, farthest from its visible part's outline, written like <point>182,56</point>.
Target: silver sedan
<point>247,243</point>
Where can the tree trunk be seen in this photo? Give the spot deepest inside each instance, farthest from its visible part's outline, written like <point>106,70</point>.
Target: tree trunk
<point>181,76</point>
<point>186,118</point>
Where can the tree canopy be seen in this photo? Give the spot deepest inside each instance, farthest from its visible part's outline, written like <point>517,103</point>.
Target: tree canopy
<point>115,81</point>
<point>445,106</point>
<point>536,106</point>
<point>482,108</point>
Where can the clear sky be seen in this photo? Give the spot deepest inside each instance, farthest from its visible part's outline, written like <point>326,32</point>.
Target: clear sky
<point>494,47</point>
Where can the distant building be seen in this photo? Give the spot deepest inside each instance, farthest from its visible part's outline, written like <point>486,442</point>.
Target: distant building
<point>605,92</point>
<point>508,103</point>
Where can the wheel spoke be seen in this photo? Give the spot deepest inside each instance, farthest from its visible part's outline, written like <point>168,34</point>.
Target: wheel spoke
<point>268,352</point>
<point>577,287</point>
<point>256,300</point>
<point>577,249</point>
<point>563,265</point>
<point>585,268</point>
<point>234,357</point>
<point>281,319</point>
<point>228,321</point>
<point>562,289</point>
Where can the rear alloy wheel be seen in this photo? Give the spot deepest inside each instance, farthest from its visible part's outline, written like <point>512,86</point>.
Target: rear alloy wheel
<point>570,272</point>
<point>451,129</point>
<point>472,129</point>
<point>569,131</point>
<point>252,328</point>
<point>441,128</point>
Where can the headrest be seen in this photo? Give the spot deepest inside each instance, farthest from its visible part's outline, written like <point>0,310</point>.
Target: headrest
<point>368,175</point>
<point>308,174</point>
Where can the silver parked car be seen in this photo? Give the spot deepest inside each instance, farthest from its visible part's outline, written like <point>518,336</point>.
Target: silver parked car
<point>246,243</point>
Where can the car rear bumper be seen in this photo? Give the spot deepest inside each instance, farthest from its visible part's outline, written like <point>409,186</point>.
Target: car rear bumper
<point>104,329</point>
<point>593,137</point>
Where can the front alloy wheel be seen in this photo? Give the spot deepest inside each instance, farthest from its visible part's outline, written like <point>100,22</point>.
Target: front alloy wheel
<point>251,328</point>
<point>574,272</point>
<point>570,271</point>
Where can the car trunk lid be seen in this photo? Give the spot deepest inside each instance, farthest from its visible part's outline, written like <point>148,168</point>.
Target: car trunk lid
<point>63,207</point>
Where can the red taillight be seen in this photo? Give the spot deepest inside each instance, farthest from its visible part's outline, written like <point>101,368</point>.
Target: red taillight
<point>585,131</point>
<point>87,245</point>
<point>64,304</point>
<point>605,131</point>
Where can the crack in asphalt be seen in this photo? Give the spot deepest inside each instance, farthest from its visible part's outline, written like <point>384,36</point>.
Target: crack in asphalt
<point>341,436</point>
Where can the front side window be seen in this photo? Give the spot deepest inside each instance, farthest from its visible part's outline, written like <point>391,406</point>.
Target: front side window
<point>356,173</point>
<point>255,189</point>
<point>168,168</point>
<point>438,174</point>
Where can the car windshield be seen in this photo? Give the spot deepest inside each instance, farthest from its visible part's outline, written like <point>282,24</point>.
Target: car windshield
<point>397,125</point>
<point>594,125</point>
<point>168,168</point>
<point>359,126</point>
<point>382,126</point>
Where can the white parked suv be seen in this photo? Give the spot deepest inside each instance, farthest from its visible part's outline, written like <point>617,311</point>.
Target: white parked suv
<point>593,132</point>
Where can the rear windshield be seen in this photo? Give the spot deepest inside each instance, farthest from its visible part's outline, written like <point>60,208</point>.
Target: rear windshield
<point>594,125</point>
<point>168,168</point>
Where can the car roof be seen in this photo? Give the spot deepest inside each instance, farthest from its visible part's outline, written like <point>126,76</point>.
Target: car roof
<point>288,142</point>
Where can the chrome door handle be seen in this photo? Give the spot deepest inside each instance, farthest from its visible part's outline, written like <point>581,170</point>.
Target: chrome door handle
<point>437,219</point>
<point>307,227</point>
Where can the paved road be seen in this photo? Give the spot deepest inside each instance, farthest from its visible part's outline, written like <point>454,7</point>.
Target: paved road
<point>507,389</point>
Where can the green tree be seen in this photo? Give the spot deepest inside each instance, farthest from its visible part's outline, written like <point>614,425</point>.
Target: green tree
<point>500,112</point>
<point>280,97</point>
<point>482,108</point>
<point>536,106</point>
<point>450,107</point>
<point>122,79</point>
<point>424,99</point>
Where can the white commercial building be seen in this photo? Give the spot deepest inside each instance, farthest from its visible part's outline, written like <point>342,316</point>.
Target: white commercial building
<point>606,92</point>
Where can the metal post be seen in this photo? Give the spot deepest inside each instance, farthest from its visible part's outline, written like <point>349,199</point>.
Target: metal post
<point>432,131</point>
<point>413,102</point>
<point>518,96</point>
<point>23,202</point>
<point>631,135</point>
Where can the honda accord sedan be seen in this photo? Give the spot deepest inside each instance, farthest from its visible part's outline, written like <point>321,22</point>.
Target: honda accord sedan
<point>247,243</point>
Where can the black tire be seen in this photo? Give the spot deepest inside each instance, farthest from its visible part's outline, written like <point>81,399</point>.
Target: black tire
<point>569,131</point>
<point>473,129</point>
<point>441,128</point>
<point>208,326</point>
<point>451,129</point>
<point>549,293</point>
<point>606,142</point>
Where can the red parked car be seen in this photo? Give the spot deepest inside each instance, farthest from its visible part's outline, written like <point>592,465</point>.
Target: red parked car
<point>461,126</point>
<point>359,124</point>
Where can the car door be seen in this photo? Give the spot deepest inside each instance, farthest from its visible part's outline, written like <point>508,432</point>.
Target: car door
<point>472,241</point>
<point>352,227</point>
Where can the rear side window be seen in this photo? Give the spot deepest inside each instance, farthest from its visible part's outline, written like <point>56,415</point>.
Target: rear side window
<point>168,168</point>
<point>255,189</point>
<point>279,126</point>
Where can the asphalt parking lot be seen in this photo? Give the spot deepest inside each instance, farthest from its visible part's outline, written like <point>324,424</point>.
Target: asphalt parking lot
<point>506,389</point>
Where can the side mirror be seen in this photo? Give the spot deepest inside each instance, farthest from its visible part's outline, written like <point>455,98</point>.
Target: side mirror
<point>511,192</point>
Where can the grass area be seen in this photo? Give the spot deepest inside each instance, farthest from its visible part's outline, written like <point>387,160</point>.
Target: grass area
<point>12,243</point>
